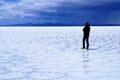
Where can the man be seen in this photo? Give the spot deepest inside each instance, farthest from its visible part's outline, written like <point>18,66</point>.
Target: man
<point>86,32</point>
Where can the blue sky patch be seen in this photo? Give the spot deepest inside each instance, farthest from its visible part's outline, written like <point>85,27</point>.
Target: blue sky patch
<point>59,11</point>
<point>12,1</point>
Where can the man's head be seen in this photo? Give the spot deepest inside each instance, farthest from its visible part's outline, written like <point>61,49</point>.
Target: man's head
<point>87,24</point>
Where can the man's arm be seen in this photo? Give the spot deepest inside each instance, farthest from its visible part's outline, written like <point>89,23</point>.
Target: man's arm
<point>83,29</point>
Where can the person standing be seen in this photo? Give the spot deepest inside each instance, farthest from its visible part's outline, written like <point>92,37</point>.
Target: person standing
<point>86,32</point>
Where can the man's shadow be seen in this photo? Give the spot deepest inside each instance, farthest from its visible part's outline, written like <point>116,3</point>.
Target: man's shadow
<point>86,61</point>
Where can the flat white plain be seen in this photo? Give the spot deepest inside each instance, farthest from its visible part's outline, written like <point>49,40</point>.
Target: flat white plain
<point>54,53</point>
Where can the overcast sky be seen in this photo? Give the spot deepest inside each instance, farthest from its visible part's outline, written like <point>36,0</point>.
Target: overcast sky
<point>59,11</point>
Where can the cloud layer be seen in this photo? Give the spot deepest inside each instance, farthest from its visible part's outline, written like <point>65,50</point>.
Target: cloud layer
<point>59,11</point>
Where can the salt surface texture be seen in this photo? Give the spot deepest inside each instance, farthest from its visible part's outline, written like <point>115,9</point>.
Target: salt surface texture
<point>55,53</point>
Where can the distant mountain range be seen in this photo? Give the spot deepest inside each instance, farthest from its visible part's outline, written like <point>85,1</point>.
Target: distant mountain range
<point>59,24</point>
<point>43,24</point>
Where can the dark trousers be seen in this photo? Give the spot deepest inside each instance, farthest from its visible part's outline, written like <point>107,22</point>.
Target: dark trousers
<point>86,38</point>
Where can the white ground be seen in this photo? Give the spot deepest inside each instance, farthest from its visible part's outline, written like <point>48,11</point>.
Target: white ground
<point>56,54</point>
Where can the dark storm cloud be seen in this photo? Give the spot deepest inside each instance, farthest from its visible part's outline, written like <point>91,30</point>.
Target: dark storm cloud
<point>96,13</point>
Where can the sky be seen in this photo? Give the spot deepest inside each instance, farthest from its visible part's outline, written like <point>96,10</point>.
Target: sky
<point>59,11</point>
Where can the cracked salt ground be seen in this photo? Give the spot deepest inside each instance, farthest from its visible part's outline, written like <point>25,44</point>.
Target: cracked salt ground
<point>55,54</point>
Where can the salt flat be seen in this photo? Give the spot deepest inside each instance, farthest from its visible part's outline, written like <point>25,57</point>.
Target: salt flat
<point>54,53</point>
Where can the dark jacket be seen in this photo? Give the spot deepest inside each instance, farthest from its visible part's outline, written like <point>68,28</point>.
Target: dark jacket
<point>86,31</point>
